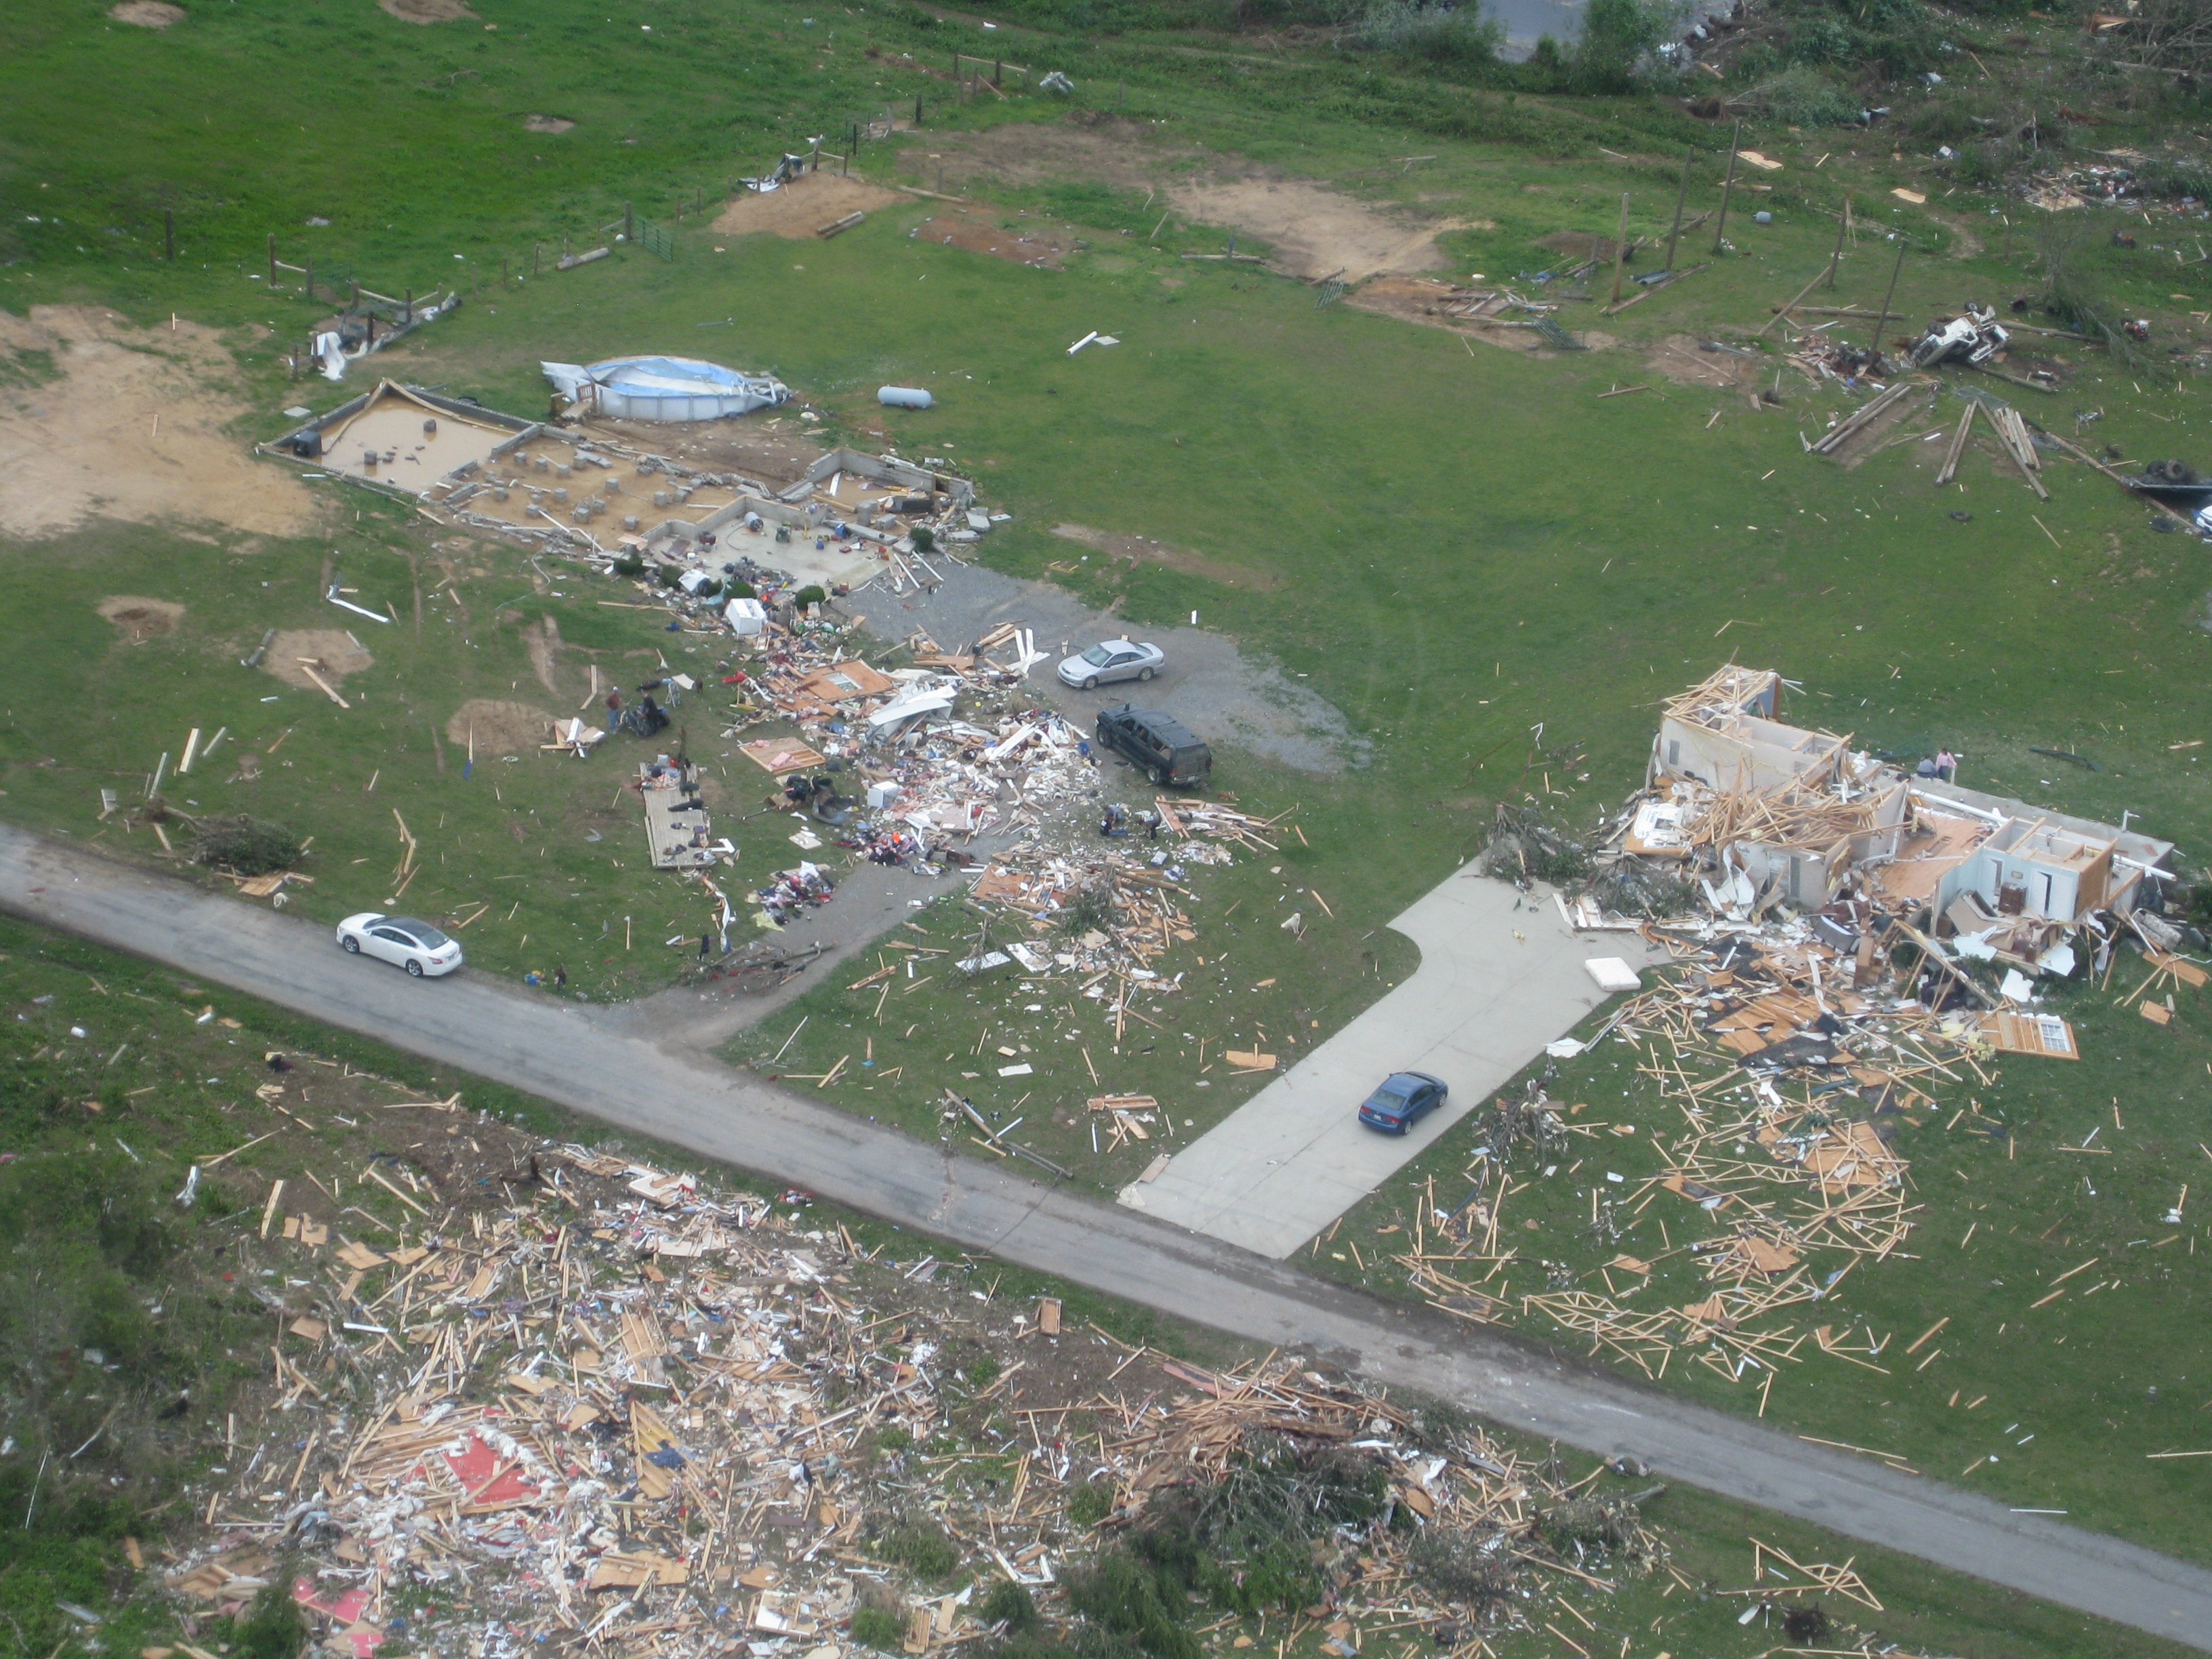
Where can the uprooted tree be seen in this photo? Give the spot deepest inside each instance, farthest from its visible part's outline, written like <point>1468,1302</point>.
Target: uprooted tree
<point>246,846</point>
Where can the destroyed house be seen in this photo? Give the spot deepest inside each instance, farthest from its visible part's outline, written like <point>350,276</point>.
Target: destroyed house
<point>2027,862</point>
<point>1794,812</point>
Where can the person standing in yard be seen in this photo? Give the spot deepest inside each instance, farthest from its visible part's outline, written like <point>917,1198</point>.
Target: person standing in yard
<point>614,711</point>
<point>1946,766</point>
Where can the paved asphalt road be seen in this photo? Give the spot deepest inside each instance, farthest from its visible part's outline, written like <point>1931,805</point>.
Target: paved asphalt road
<point>566,1055</point>
<point>1500,977</point>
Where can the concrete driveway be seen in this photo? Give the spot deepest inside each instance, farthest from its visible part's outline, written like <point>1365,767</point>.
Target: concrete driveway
<point>1501,976</point>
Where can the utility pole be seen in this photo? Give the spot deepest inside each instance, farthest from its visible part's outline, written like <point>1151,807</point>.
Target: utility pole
<point>1620,248</point>
<point>1682,196</point>
<point>1728,187</point>
<point>1843,225</point>
<point>1876,344</point>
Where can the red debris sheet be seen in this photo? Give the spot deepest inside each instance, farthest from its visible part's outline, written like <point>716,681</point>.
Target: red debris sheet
<point>344,1612</point>
<point>488,1478</point>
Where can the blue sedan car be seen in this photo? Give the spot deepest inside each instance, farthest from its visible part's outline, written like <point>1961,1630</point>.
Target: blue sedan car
<point>1404,1099</point>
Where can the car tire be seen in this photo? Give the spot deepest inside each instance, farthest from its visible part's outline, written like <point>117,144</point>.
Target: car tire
<point>352,945</point>
<point>1144,673</point>
<point>1159,776</point>
<point>1091,684</point>
<point>414,968</point>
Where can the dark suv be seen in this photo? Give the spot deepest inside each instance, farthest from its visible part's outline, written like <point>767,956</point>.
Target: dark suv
<point>1159,745</point>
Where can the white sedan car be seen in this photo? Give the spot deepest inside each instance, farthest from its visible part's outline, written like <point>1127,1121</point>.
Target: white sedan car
<point>1112,659</point>
<point>418,946</point>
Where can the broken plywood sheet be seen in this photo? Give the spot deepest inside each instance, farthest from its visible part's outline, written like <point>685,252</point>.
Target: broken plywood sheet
<point>841,682</point>
<point>782,755</point>
<point>617,1569</point>
<point>657,1457</point>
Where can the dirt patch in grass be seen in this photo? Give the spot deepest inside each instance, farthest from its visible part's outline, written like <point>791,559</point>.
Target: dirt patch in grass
<point>1421,300</point>
<point>804,206</point>
<point>547,124</point>
<point>1317,232</point>
<point>86,444</point>
<point>500,727</point>
<point>426,11</point>
<point>1125,155</point>
<point>773,449</point>
<point>141,619</point>
<point>1136,547</point>
<point>1683,359</point>
<point>981,233</point>
<point>332,652</point>
<point>543,644</point>
<point>146,14</point>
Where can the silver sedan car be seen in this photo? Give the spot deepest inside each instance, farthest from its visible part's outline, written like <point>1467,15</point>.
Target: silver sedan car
<point>418,946</point>
<point>1112,659</point>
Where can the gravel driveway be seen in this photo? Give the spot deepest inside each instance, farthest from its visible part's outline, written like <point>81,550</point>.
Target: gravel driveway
<point>1210,685</point>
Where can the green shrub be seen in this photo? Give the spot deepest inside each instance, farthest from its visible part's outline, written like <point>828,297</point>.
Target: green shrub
<point>924,538</point>
<point>1822,39</point>
<point>813,593</point>
<point>2175,176</point>
<point>738,590</point>
<point>272,1627</point>
<point>1435,29</point>
<point>247,847</point>
<point>1091,1502</point>
<point>1989,162</point>
<point>1898,37</point>
<point>1084,1642</point>
<point>1616,35</point>
<point>1801,96</point>
<point>630,565</point>
<point>1127,1597</point>
<point>1008,1604</point>
<point>921,1547</point>
<point>878,1627</point>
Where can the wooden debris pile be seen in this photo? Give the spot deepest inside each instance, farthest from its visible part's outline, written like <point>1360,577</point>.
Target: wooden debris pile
<point>637,1415</point>
<point>1110,911</point>
<point>606,1423</point>
<point>1500,1543</point>
<point>1783,1177</point>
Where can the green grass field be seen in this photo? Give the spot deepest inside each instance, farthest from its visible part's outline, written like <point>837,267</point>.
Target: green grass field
<point>1429,514</point>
